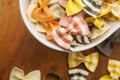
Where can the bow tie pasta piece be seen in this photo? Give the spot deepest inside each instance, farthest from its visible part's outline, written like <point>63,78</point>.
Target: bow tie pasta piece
<point>106,47</point>
<point>116,9</point>
<point>114,69</point>
<point>63,35</point>
<point>42,13</point>
<point>18,74</point>
<point>105,9</point>
<point>77,22</point>
<point>57,11</point>
<point>97,32</point>
<point>32,6</point>
<point>63,2</point>
<point>52,2</point>
<point>90,61</point>
<point>92,7</point>
<point>40,28</point>
<point>78,74</point>
<point>73,7</point>
<point>108,8</point>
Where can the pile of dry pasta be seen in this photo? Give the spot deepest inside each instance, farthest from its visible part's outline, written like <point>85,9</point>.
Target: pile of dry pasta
<point>71,23</point>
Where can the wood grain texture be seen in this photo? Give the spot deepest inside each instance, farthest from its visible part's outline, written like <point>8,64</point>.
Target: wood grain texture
<point>12,31</point>
<point>19,48</point>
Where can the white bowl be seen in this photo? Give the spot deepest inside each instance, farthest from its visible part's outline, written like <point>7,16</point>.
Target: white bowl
<point>41,37</point>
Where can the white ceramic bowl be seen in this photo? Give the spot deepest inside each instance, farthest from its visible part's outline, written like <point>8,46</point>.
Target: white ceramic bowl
<point>41,38</point>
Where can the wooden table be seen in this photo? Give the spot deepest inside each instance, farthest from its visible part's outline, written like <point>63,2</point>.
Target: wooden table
<point>19,48</point>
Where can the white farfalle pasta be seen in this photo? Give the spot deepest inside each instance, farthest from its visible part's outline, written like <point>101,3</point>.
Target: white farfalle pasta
<point>40,28</point>
<point>57,11</point>
<point>18,74</point>
<point>52,2</point>
<point>116,9</point>
<point>30,9</point>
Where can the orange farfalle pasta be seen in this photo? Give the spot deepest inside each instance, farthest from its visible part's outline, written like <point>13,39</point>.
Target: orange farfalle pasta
<point>42,13</point>
<point>50,26</point>
<point>44,16</point>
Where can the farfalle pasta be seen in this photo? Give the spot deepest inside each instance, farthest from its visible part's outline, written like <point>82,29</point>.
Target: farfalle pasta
<point>57,11</point>
<point>51,2</point>
<point>92,7</point>
<point>113,8</point>
<point>71,23</point>
<point>30,9</point>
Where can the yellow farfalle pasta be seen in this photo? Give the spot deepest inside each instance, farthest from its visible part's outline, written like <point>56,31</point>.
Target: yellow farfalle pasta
<point>73,7</point>
<point>90,61</point>
<point>113,8</point>
<point>114,69</point>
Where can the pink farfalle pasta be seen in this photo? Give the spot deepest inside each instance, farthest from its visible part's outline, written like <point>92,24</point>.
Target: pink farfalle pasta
<point>63,35</point>
<point>64,20</point>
